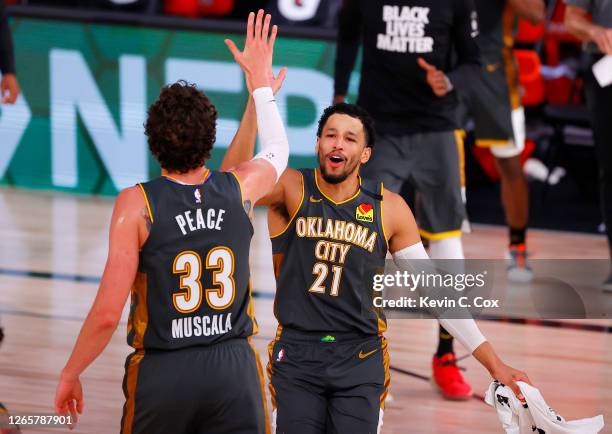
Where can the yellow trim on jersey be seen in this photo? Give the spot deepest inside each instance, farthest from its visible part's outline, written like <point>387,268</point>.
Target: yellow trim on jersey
<point>386,367</point>
<point>140,318</point>
<point>330,199</point>
<point>439,235</point>
<point>460,139</point>
<point>382,215</point>
<point>294,214</point>
<point>489,143</point>
<point>146,200</point>
<point>239,186</point>
<point>131,383</point>
<point>206,173</point>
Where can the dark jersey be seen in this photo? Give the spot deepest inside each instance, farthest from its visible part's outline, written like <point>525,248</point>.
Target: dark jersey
<point>192,286</point>
<point>394,34</point>
<point>498,24</point>
<point>326,259</point>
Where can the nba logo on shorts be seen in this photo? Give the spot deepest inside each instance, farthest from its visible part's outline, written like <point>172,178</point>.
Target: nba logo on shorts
<point>198,195</point>
<point>281,355</point>
<point>365,212</point>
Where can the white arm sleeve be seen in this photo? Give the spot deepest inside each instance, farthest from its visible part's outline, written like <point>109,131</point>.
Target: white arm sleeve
<point>272,135</point>
<point>464,330</point>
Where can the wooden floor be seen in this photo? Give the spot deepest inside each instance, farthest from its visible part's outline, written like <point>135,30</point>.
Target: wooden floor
<point>67,235</point>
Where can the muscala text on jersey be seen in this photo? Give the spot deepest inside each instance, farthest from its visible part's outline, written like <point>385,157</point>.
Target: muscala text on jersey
<point>201,325</point>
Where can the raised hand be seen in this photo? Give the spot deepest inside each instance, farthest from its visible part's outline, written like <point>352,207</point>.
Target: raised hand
<point>436,79</point>
<point>256,58</point>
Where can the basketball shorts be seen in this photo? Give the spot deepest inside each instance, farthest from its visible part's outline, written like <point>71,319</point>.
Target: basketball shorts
<point>213,390</point>
<point>430,163</point>
<point>492,101</point>
<point>327,383</point>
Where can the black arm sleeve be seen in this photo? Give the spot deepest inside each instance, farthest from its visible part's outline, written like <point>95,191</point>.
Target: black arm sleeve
<point>7,59</point>
<point>349,38</point>
<point>465,30</point>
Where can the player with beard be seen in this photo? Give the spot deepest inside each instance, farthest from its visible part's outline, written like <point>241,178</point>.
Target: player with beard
<point>331,230</point>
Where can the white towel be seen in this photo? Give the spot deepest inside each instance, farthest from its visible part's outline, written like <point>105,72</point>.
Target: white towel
<point>535,415</point>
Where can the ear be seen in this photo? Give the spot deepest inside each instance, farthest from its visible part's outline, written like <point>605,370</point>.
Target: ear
<point>317,146</point>
<point>365,155</point>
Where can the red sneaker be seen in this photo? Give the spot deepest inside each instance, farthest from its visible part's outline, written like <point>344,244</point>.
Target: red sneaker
<point>448,378</point>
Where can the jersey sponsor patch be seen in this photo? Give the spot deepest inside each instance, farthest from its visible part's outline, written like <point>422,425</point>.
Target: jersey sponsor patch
<point>365,212</point>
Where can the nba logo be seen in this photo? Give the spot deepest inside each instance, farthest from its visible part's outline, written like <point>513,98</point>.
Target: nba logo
<point>281,355</point>
<point>198,195</point>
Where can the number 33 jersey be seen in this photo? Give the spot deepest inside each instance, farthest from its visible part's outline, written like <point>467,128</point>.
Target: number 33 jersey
<point>192,286</point>
<point>326,258</point>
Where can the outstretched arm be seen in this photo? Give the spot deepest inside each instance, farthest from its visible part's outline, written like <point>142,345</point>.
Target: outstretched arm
<point>105,313</point>
<point>410,255</point>
<point>259,175</point>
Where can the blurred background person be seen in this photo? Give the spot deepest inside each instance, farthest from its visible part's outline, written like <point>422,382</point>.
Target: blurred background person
<point>493,100</point>
<point>407,85</point>
<point>597,35</point>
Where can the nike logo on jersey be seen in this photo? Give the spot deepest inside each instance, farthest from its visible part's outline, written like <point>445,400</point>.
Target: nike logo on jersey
<point>363,355</point>
<point>314,200</point>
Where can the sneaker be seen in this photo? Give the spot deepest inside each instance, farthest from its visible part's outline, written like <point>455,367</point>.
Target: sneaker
<point>448,378</point>
<point>518,270</point>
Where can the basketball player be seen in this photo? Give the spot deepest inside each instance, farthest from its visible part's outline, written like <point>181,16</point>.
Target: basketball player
<point>407,84</point>
<point>331,230</point>
<point>493,99</point>
<point>181,242</point>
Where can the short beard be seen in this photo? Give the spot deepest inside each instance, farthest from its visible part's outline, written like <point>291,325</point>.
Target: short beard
<point>335,179</point>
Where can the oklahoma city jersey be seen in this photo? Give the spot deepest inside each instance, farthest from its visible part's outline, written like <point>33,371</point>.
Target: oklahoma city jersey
<point>192,286</point>
<point>326,259</point>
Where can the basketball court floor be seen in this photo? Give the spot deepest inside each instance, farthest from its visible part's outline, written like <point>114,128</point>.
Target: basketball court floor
<point>52,253</point>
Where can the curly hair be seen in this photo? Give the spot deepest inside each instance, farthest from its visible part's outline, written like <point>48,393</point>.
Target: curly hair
<point>181,127</point>
<point>353,111</point>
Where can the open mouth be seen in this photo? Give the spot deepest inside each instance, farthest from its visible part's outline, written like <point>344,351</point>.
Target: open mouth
<point>336,160</point>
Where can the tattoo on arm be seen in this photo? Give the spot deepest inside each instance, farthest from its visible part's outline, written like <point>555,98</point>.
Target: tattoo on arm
<point>147,217</point>
<point>248,208</point>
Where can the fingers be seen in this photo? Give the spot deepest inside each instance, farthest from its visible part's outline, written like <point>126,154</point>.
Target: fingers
<point>13,94</point>
<point>278,81</point>
<point>272,39</point>
<point>258,24</point>
<point>250,27</point>
<point>79,406</point>
<point>4,90</point>
<point>266,27</point>
<point>232,47</point>
<point>517,391</point>
<point>426,66</point>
